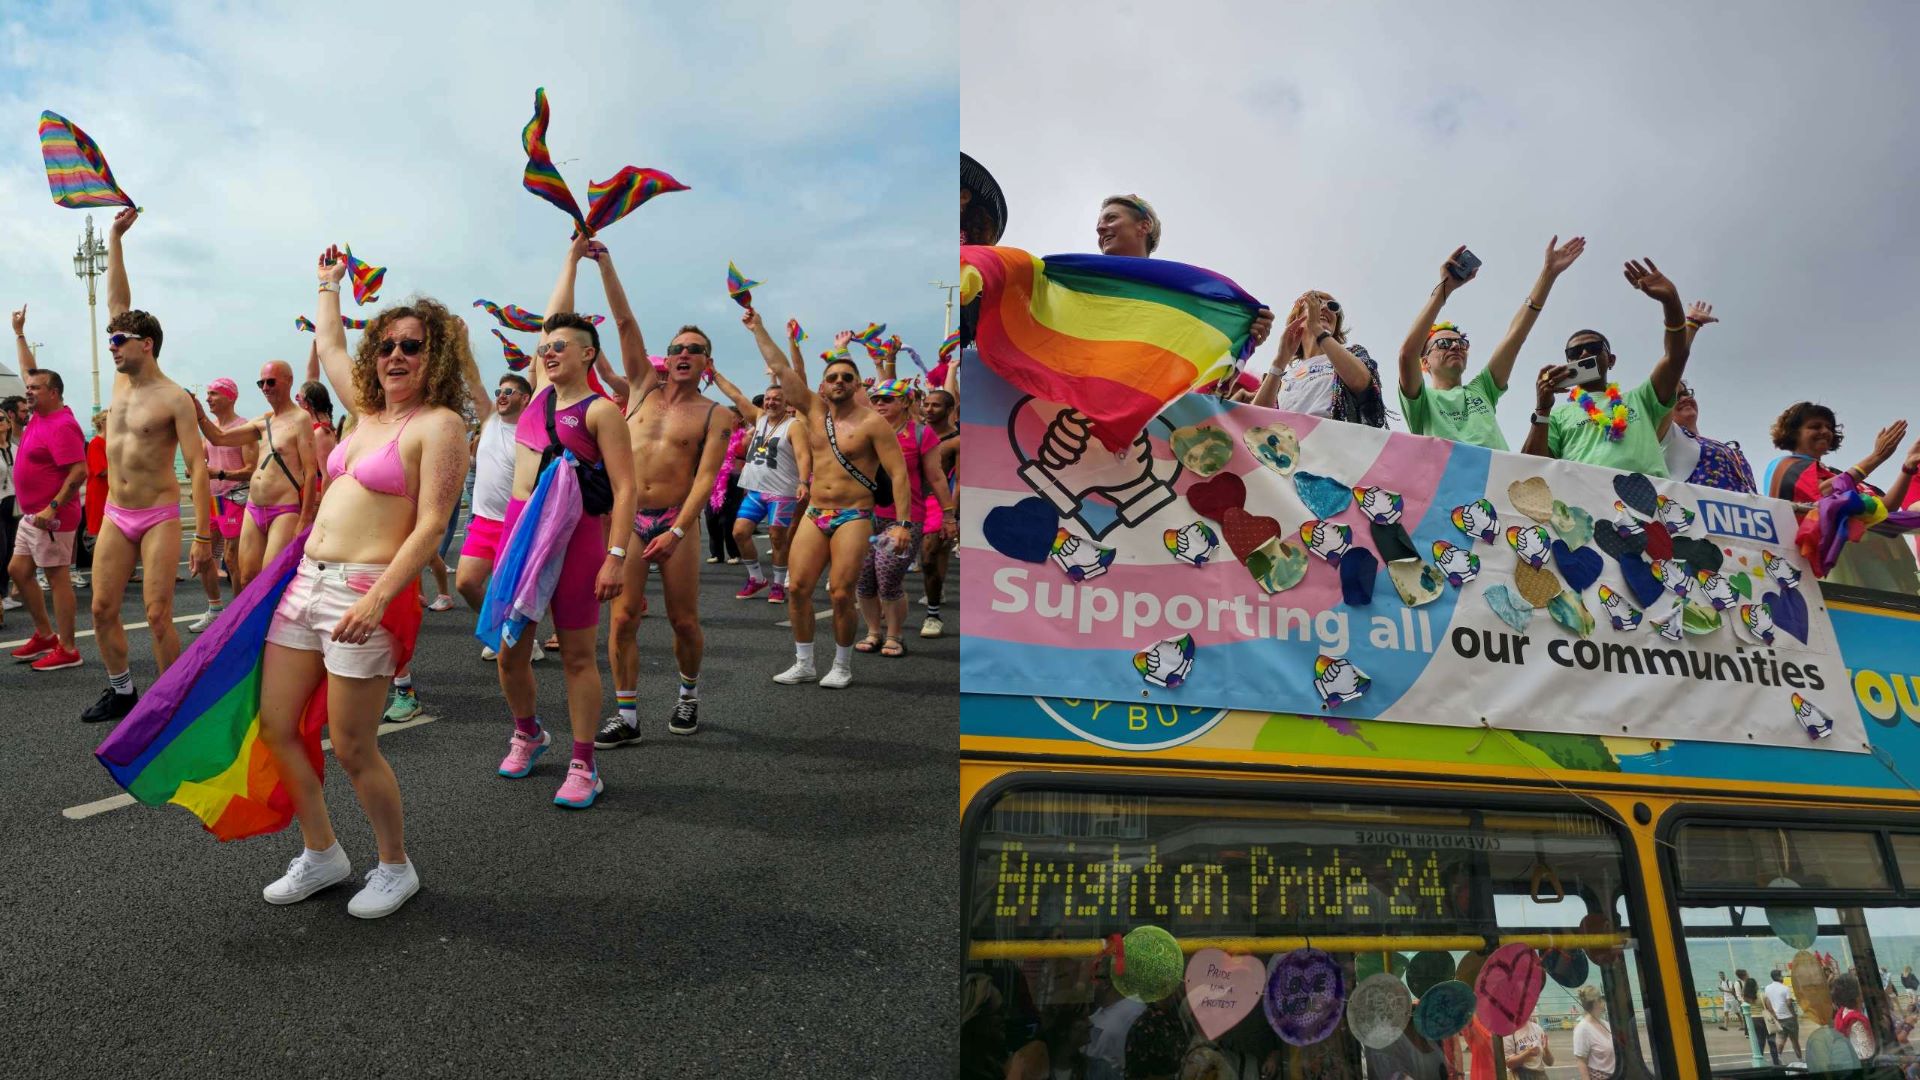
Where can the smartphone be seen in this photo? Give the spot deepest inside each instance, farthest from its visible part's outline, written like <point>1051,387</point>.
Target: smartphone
<point>1463,265</point>
<point>1585,369</point>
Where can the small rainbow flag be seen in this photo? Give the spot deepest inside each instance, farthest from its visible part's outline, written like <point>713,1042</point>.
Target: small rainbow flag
<point>951,344</point>
<point>1115,337</point>
<point>871,334</point>
<point>832,355</point>
<point>301,322</point>
<point>353,324</point>
<point>794,333</point>
<point>610,200</point>
<point>517,357</point>
<point>366,278</point>
<point>76,169</point>
<point>513,317</point>
<point>541,177</point>
<point>194,738</point>
<point>739,287</point>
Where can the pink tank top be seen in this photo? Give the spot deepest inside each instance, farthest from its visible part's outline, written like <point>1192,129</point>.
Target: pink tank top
<point>227,458</point>
<point>570,423</point>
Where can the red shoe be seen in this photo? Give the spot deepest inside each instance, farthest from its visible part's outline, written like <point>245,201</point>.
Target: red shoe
<point>57,659</point>
<point>36,646</point>
<point>750,589</point>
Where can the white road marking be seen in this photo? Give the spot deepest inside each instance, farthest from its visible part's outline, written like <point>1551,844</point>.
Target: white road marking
<point>78,634</point>
<point>115,802</point>
<point>788,623</point>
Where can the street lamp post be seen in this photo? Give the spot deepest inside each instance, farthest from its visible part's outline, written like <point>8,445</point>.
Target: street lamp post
<point>946,327</point>
<point>90,261</point>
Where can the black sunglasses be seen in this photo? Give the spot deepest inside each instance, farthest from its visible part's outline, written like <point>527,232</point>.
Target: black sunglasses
<point>845,376</point>
<point>693,347</point>
<point>1450,343</point>
<point>409,346</point>
<point>1586,348</point>
<point>266,383</point>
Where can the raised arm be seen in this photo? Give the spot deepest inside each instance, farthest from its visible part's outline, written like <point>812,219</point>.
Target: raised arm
<point>24,354</point>
<point>1699,314</point>
<point>470,371</point>
<point>246,435</point>
<point>612,379</point>
<point>1346,365</point>
<point>1543,395</point>
<point>1558,258</point>
<point>1412,380</point>
<point>793,386</point>
<point>119,293</point>
<point>748,410</point>
<point>313,359</point>
<point>797,357</point>
<point>633,345</point>
<point>330,335</point>
<point>187,430</point>
<point>1672,366</point>
<point>883,367</point>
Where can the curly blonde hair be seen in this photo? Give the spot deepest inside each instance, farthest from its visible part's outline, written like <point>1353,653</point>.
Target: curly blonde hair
<point>448,354</point>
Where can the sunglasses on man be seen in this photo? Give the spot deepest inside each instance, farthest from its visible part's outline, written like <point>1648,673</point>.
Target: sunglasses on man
<point>506,391</point>
<point>1583,349</point>
<point>1450,343</point>
<point>266,384</point>
<point>116,340</point>
<point>692,347</point>
<point>839,377</point>
<point>409,346</point>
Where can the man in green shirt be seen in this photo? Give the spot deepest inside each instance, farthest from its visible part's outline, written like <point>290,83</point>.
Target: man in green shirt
<point>1599,422</point>
<point>1449,409</point>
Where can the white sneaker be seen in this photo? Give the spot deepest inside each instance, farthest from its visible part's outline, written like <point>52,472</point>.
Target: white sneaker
<point>836,677</point>
<point>205,620</point>
<point>79,581</point>
<point>487,654</point>
<point>385,891</point>
<point>933,627</point>
<point>40,579</point>
<point>308,874</point>
<point>9,604</point>
<point>443,602</point>
<point>539,654</point>
<point>801,671</point>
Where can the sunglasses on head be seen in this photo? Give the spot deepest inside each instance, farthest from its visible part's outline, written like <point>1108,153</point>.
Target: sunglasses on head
<point>1585,348</point>
<point>693,347</point>
<point>266,384</point>
<point>409,346</point>
<point>115,340</point>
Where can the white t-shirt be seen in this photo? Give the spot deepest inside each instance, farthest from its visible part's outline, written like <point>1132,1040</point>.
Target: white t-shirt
<point>1528,1038</point>
<point>493,469</point>
<point>1593,1044</point>
<point>1107,1037</point>
<point>771,468</point>
<point>1682,452</point>
<point>1306,386</point>
<point>1780,1000</point>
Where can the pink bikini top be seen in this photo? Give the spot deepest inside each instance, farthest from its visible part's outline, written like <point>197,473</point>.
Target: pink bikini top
<point>380,471</point>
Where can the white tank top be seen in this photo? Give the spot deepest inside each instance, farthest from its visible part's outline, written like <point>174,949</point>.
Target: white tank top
<point>493,469</point>
<point>771,468</point>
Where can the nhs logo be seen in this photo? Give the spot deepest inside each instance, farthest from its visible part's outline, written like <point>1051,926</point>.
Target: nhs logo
<point>1733,519</point>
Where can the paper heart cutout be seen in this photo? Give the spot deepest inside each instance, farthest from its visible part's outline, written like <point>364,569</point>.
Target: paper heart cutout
<point>1378,1010</point>
<point>1213,498</point>
<point>1818,724</point>
<point>1166,663</point>
<point>1779,569</point>
<point>1507,604</point>
<point>1194,544</point>
<point>1580,567</point>
<point>1508,988</point>
<point>1024,531</point>
<point>1276,565</point>
<point>1382,507</point>
<point>1358,568</point>
<point>1622,615</point>
<point>1659,541</point>
<point>1445,1010</point>
<point>1393,543</point>
<point>1669,618</point>
<point>1698,554</point>
<point>1323,495</point>
<point>1789,612</point>
<point>1326,539</point>
<point>1568,967</point>
<point>1637,492</point>
<point>1700,619</point>
<point>1306,993</point>
<point>1536,583</point>
<point>1530,543</point>
<point>1532,497</point>
<point>1459,564</point>
<point>1597,922</point>
<point>1469,968</point>
<point>1417,582</point>
<point>1428,970</point>
<point>1274,446</point>
<point>1245,532</point>
<point>1757,621</point>
<point>1202,448</point>
<point>1674,576</point>
<point>1640,581</point>
<point>1223,990</point>
<point>1570,611</point>
<point>1742,583</point>
<point>1572,524</point>
<point>1620,545</point>
<point>1477,520</point>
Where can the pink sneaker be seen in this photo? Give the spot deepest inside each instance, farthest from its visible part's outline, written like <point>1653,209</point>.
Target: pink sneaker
<point>522,752</point>
<point>777,594</point>
<point>751,588</point>
<point>582,787</point>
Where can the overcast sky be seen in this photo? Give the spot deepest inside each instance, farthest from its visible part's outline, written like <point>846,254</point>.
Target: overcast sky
<point>818,143</point>
<point>1763,154</point>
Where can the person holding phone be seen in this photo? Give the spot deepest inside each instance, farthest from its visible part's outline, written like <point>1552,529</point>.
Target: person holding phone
<point>1318,373</point>
<point>1598,422</point>
<point>1450,408</point>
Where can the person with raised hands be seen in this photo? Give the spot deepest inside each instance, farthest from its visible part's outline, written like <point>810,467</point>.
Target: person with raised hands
<point>776,462</point>
<point>1454,407</point>
<point>351,612</point>
<point>1317,372</point>
<point>49,471</point>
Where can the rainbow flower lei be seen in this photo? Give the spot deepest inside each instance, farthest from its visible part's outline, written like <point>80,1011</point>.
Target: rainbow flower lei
<point>1614,421</point>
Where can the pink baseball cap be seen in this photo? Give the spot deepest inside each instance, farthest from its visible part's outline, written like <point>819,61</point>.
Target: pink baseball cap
<point>224,385</point>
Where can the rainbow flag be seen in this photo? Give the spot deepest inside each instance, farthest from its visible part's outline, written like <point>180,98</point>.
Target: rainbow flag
<point>301,322</point>
<point>366,278</point>
<point>76,169</point>
<point>1114,337</point>
<point>952,343</point>
<point>794,333</point>
<point>871,334</point>
<point>541,177</point>
<point>512,316</point>
<point>739,287</point>
<point>610,200</point>
<point>832,355</point>
<point>194,738</point>
<point>353,324</point>
<point>517,357</point>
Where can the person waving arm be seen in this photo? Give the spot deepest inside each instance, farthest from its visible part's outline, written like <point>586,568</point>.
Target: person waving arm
<point>330,335</point>
<point>1559,257</point>
<point>749,412</point>
<point>1672,366</point>
<point>1412,380</point>
<point>793,386</point>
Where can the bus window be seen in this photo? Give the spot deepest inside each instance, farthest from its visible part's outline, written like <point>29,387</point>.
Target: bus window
<point>1747,856</point>
<point>1064,979</point>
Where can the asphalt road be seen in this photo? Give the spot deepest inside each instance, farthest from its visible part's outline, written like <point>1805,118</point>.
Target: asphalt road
<point>773,897</point>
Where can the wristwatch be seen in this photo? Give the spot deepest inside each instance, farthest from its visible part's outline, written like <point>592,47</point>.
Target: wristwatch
<point>1322,336</point>
<point>678,533</point>
<point>617,551</point>
<point>1538,418</point>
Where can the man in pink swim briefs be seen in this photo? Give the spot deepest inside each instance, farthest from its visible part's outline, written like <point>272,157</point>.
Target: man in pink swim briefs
<point>228,470</point>
<point>493,458</point>
<point>279,500</point>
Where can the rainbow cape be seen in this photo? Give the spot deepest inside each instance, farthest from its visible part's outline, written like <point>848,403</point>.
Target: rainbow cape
<point>517,357</point>
<point>76,169</point>
<point>366,278</point>
<point>794,333</point>
<point>1114,337</point>
<point>610,200</point>
<point>194,738</point>
<point>739,287</point>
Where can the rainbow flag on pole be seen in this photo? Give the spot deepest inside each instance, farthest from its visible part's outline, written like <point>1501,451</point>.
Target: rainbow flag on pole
<point>1114,337</point>
<point>76,169</point>
<point>194,738</point>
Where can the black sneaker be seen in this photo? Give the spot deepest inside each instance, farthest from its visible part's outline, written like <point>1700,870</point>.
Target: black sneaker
<point>615,732</point>
<point>686,717</point>
<point>111,706</point>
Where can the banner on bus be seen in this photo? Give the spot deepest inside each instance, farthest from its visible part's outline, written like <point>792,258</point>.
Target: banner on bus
<point>1242,558</point>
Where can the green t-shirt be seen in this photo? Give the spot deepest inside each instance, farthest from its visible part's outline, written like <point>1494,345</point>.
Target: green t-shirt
<point>1462,414</point>
<point>1573,437</point>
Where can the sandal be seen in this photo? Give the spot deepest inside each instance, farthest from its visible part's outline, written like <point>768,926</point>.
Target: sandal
<point>870,643</point>
<point>899,649</point>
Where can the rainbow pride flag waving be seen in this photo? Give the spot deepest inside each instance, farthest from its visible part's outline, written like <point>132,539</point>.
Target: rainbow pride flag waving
<point>194,738</point>
<point>301,322</point>
<point>76,169</point>
<point>517,357</point>
<point>608,200</point>
<point>366,278</point>
<point>1114,337</point>
<point>612,199</point>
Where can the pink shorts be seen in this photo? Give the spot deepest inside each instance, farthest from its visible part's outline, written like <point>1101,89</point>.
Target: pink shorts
<point>573,606</point>
<point>226,516</point>
<point>314,603</point>
<point>483,539</point>
<point>47,549</point>
<point>935,517</point>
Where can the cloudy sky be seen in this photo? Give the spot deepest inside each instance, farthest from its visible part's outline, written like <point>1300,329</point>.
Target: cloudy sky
<point>818,143</point>
<point>1763,154</point>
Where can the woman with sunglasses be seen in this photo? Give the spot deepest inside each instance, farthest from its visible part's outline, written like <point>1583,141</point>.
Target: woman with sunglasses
<point>1808,431</point>
<point>351,611</point>
<point>883,599</point>
<point>1318,373</point>
<point>1690,455</point>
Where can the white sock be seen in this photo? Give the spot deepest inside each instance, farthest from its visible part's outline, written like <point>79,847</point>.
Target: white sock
<point>121,683</point>
<point>759,570</point>
<point>803,652</point>
<point>780,576</point>
<point>324,856</point>
<point>843,656</point>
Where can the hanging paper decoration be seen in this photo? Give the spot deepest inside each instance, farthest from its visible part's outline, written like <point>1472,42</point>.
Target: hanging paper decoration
<point>1148,964</point>
<point>366,278</point>
<point>1194,544</point>
<point>621,194</point>
<point>1622,615</point>
<point>794,333</point>
<point>950,345</point>
<point>739,287</point>
<point>1306,996</point>
<point>77,171</point>
<point>1167,663</point>
<point>1223,990</point>
<point>301,322</point>
<point>1378,1010</point>
<point>1444,1011</point>
<point>1337,681</point>
<point>517,357</point>
<point>1817,724</point>
<point>1508,987</point>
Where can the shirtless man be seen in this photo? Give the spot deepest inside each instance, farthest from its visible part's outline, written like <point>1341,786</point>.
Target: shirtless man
<point>280,504</point>
<point>775,478</point>
<point>228,470</point>
<point>839,519</point>
<point>679,440</point>
<point>937,550</point>
<point>150,421</point>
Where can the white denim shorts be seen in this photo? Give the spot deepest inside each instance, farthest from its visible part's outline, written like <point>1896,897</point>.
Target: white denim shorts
<point>315,601</point>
